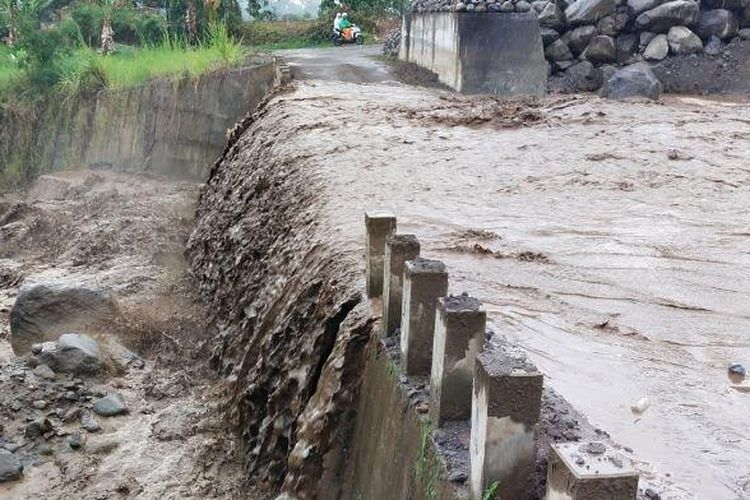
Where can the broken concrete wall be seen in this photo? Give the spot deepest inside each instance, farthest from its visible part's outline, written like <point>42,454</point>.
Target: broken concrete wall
<point>176,128</point>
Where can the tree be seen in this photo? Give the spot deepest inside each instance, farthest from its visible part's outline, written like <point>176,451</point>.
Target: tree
<point>107,45</point>
<point>22,17</point>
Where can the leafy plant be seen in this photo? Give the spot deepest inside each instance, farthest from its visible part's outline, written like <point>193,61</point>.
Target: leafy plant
<point>491,491</point>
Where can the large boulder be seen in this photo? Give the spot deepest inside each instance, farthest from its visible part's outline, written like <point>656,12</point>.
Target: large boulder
<point>588,11</point>
<point>10,466</point>
<point>657,49</point>
<point>720,23</point>
<point>44,311</point>
<point>683,41</point>
<point>579,38</point>
<point>636,80</point>
<point>110,405</point>
<point>558,51</point>
<point>663,17</point>
<point>73,353</point>
<point>601,49</point>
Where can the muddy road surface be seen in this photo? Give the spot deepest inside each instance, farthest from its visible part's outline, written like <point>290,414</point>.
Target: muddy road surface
<point>609,239</point>
<point>348,63</point>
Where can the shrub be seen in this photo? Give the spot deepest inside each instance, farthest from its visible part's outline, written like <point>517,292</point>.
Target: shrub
<point>150,29</point>
<point>88,17</point>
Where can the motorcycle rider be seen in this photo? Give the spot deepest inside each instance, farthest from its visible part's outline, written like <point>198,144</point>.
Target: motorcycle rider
<point>337,22</point>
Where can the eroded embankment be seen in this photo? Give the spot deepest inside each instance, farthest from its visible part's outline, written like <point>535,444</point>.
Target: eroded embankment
<point>294,324</point>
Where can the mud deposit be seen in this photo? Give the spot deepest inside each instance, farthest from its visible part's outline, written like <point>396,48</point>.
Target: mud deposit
<point>608,239</point>
<point>124,235</point>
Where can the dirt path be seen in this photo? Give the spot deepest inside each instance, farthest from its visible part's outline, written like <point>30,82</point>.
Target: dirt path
<point>606,238</point>
<point>348,63</point>
<point>124,234</point>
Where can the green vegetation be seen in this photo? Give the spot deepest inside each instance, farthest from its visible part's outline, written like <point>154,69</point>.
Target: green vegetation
<point>491,492</point>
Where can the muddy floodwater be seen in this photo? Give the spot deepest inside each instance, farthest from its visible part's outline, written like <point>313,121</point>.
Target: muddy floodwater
<point>611,240</point>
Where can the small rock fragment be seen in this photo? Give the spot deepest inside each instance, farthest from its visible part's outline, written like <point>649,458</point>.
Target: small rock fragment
<point>45,372</point>
<point>11,467</point>
<point>89,422</point>
<point>640,406</point>
<point>110,405</point>
<point>75,441</point>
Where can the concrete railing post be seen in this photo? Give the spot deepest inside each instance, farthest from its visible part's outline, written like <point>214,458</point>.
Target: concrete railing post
<point>424,282</point>
<point>589,471</point>
<point>379,227</point>
<point>460,324</point>
<point>505,407</point>
<point>398,249</point>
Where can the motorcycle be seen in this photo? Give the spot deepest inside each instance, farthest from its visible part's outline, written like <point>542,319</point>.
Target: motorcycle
<point>352,34</point>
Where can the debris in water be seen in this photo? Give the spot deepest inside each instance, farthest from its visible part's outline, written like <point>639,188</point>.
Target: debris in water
<point>641,406</point>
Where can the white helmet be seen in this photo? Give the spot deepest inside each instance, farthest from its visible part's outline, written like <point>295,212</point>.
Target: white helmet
<point>344,14</point>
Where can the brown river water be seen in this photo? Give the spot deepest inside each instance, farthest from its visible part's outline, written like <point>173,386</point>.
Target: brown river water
<point>608,239</point>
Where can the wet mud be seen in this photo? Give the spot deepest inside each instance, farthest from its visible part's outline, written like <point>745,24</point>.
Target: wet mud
<point>604,238</point>
<point>123,234</point>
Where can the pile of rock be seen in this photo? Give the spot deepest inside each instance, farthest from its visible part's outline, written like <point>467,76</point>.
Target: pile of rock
<point>603,34</point>
<point>391,43</point>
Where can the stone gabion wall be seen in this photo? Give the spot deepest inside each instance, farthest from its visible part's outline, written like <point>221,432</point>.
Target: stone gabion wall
<point>585,35</point>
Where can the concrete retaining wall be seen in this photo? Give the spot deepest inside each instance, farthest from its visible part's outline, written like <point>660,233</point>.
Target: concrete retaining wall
<point>175,128</point>
<point>478,53</point>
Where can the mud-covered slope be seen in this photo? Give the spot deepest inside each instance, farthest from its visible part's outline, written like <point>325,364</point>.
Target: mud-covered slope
<point>294,325</point>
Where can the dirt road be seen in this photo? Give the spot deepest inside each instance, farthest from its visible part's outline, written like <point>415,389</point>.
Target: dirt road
<point>348,63</point>
<point>609,239</point>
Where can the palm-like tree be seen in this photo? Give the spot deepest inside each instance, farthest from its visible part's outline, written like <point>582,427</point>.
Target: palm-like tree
<point>107,37</point>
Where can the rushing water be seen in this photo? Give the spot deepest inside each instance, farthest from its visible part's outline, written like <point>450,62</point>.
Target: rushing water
<point>614,247</point>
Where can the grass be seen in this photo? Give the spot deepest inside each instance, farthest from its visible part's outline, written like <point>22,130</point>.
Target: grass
<point>83,70</point>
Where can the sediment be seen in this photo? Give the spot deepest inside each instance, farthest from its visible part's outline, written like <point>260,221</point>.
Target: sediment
<point>293,321</point>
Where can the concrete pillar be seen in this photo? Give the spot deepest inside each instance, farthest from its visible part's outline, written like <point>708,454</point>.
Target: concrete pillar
<point>398,249</point>
<point>379,227</point>
<point>589,471</point>
<point>425,281</point>
<point>460,324</point>
<point>505,407</point>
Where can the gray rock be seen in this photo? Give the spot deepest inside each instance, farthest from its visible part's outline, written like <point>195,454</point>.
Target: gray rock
<point>45,372</point>
<point>523,6</point>
<point>639,6</point>
<point>110,405</point>
<point>713,46</point>
<point>607,71</point>
<point>36,348</point>
<point>89,422</point>
<point>622,18</point>
<point>551,16</point>
<point>73,353</point>
<point>460,7</point>
<point>663,17</point>
<point>636,80</point>
<point>734,5</point>
<point>39,404</point>
<point>548,36</point>
<point>720,23</point>
<point>601,49</point>
<point>606,26</point>
<point>540,5</point>
<point>737,369</point>
<point>75,441</point>
<point>588,11</point>
<point>37,428</point>
<point>558,51</point>
<point>507,6</point>
<point>579,38</point>
<point>645,39</point>
<point>42,312</point>
<point>744,33</point>
<point>657,49</point>
<point>683,41</point>
<point>583,77</point>
<point>626,46</point>
<point>11,467</point>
